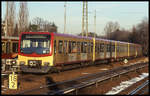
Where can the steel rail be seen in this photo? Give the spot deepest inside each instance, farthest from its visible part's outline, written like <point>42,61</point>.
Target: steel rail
<point>85,84</point>
<point>101,76</point>
<point>137,89</point>
<point>146,90</point>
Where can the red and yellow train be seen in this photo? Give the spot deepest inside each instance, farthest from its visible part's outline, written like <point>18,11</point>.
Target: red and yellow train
<point>40,52</point>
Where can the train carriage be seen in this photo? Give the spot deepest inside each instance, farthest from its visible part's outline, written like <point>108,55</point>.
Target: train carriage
<point>9,47</point>
<point>40,52</point>
<point>9,52</point>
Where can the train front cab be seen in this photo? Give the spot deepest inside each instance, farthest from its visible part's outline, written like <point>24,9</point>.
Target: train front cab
<point>35,52</point>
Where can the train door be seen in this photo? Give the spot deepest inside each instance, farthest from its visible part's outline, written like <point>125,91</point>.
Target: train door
<point>84,50</point>
<point>55,51</point>
<point>89,56</point>
<point>107,50</point>
<point>96,50</point>
<point>72,56</point>
<point>102,50</point>
<point>8,48</point>
<point>111,46</point>
<point>113,49</point>
<point>14,47</point>
<point>3,47</point>
<point>65,50</point>
<point>78,51</point>
<point>60,55</point>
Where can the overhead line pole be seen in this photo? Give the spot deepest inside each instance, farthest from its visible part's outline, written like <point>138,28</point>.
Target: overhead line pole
<point>65,18</point>
<point>95,23</point>
<point>83,19</point>
<point>86,19</point>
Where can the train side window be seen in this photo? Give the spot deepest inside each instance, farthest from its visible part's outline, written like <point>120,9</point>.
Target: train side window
<point>82,47</point>
<point>74,47</point>
<point>102,47</point>
<point>8,47</point>
<point>88,45</point>
<point>15,47</point>
<point>3,47</point>
<point>65,47</point>
<point>69,49</point>
<point>126,48</point>
<point>55,47</point>
<point>113,48</point>
<point>95,47</point>
<point>78,47</point>
<point>91,47</point>
<point>108,48</point>
<point>117,48</point>
<point>99,47</point>
<point>60,46</point>
<point>120,48</point>
<point>85,47</point>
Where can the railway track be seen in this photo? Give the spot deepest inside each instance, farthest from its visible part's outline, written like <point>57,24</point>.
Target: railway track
<point>140,89</point>
<point>30,75</point>
<point>74,85</point>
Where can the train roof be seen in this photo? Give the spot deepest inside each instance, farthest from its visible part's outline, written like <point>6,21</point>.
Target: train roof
<point>84,37</point>
<point>74,36</point>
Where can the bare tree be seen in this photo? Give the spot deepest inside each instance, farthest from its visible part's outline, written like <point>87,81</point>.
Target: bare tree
<point>111,27</point>
<point>143,37</point>
<point>16,30</point>
<point>23,18</point>
<point>43,25</point>
<point>10,18</point>
<point>39,22</point>
<point>140,35</point>
<point>46,25</point>
<point>133,37</point>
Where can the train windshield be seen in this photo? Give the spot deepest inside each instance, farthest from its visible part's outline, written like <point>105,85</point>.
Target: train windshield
<point>35,43</point>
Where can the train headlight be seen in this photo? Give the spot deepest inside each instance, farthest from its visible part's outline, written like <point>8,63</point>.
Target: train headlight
<point>13,62</point>
<point>46,63</point>
<point>32,63</point>
<point>22,62</point>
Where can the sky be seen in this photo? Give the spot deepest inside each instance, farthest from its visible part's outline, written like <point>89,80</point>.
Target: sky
<point>126,14</point>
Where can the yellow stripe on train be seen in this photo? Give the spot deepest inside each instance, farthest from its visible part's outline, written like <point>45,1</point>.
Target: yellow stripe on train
<point>44,59</point>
